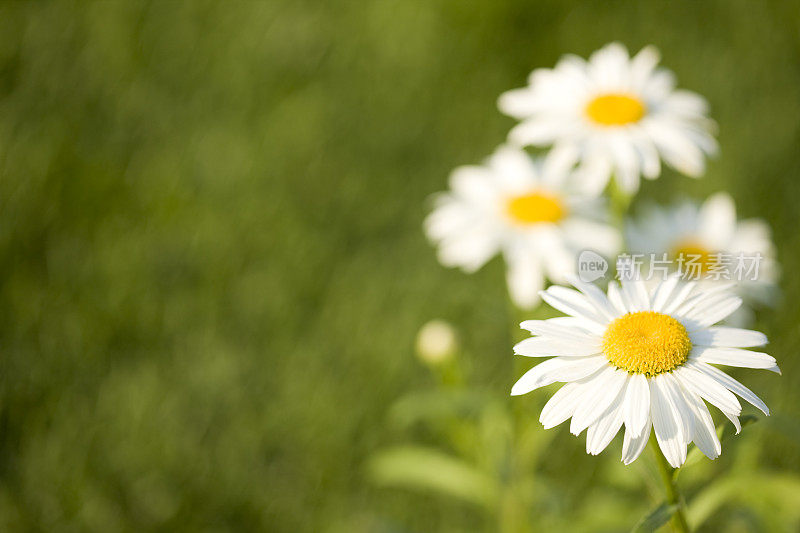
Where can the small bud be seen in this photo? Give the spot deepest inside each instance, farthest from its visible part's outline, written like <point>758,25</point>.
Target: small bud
<point>436,342</point>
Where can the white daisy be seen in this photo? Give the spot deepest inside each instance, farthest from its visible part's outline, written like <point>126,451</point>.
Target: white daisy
<point>643,359</point>
<point>708,243</point>
<point>615,114</point>
<point>524,209</point>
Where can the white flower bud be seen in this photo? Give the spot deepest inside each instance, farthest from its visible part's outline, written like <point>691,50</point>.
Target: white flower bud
<point>436,342</point>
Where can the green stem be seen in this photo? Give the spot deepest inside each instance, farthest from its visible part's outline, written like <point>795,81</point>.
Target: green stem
<point>620,202</point>
<point>673,495</point>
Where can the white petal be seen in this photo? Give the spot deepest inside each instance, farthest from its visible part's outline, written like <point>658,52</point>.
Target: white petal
<point>733,385</point>
<point>731,337</point>
<point>637,404</point>
<point>659,84</point>
<point>594,173</point>
<point>711,310</point>
<point>679,297</point>
<point>663,292</point>
<point>513,168</point>
<point>648,154</point>
<point>558,259</point>
<point>518,103</point>
<point>573,303</point>
<point>705,433</point>
<point>685,417</point>
<point>563,403</point>
<point>734,357</point>
<point>636,293</point>
<point>643,64</point>
<point>470,250</point>
<point>632,446</point>
<point>560,333</point>
<point>687,103</point>
<point>734,420</point>
<point>539,131</point>
<point>451,216</point>
<point>602,432</point>
<point>595,296</point>
<point>604,390</point>
<point>580,324</point>
<point>692,379</point>
<point>546,347</point>
<point>676,147</point>
<point>557,369</point>
<point>609,65</point>
<point>525,278</point>
<point>718,220</point>
<point>559,160</point>
<point>626,161</point>
<point>586,234</point>
<point>617,298</point>
<point>473,183</point>
<point>667,423</point>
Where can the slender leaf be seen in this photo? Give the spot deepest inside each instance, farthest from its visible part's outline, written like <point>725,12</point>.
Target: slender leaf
<point>655,518</point>
<point>421,468</point>
<point>782,491</point>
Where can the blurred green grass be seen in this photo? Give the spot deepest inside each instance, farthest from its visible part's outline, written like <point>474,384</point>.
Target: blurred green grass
<point>210,246</point>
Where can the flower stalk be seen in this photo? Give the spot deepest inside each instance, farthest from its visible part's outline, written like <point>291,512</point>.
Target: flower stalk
<point>674,498</point>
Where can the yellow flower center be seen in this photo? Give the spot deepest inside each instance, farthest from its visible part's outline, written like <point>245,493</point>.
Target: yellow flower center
<point>535,208</point>
<point>692,253</point>
<point>646,342</point>
<point>615,109</point>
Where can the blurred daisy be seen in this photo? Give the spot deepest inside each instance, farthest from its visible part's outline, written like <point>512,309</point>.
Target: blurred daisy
<point>706,242</point>
<point>643,359</point>
<point>614,114</point>
<point>523,209</point>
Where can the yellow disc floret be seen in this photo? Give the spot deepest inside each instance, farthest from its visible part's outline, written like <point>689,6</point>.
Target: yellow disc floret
<point>535,208</point>
<point>646,342</point>
<point>693,253</point>
<point>615,109</point>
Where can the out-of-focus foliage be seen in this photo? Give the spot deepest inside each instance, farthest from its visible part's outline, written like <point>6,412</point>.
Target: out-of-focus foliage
<point>213,269</point>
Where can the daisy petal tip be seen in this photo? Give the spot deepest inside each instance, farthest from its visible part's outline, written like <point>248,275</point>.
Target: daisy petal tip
<point>518,349</point>
<point>653,51</point>
<point>518,389</point>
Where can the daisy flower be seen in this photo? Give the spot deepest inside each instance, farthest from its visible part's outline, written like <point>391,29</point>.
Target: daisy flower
<point>708,243</point>
<point>644,359</point>
<point>614,114</point>
<point>523,209</point>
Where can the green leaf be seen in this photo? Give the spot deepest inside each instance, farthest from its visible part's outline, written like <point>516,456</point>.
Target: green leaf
<point>781,492</point>
<point>421,468</point>
<point>656,518</point>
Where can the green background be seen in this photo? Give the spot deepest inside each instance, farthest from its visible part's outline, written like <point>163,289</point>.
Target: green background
<point>211,256</point>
